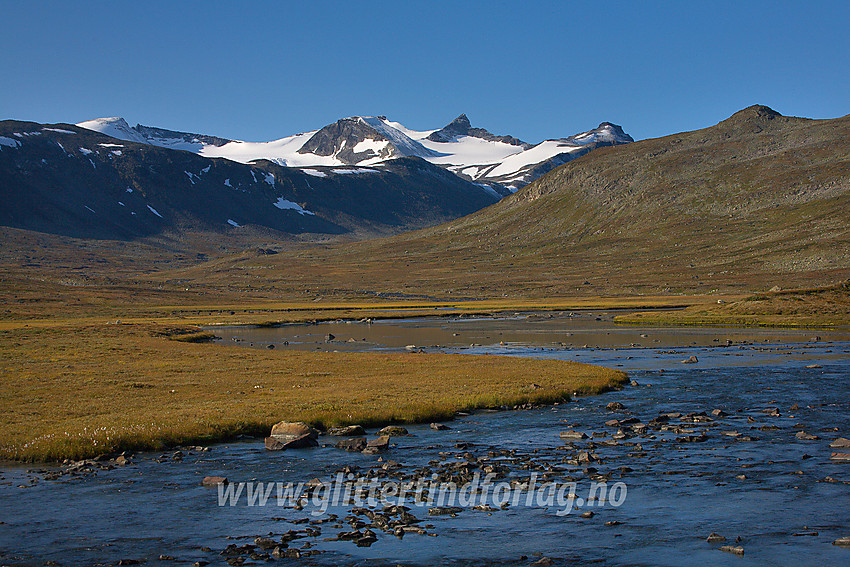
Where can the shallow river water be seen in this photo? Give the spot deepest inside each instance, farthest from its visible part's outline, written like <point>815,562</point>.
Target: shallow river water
<point>741,474</point>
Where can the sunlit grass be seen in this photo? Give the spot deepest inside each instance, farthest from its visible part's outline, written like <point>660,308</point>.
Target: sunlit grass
<point>80,391</point>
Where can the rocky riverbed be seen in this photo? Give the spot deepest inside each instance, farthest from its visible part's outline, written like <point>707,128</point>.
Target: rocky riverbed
<point>733,460</point>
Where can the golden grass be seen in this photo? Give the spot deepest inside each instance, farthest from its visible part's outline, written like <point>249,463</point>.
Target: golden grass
<point>816,307</point>
<point>80,390</point>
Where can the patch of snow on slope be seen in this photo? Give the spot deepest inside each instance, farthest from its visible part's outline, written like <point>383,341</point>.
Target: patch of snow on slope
<point>369,144</point>
<point>85,151</point>
<point>154,211</point>
<point>352,171</point>
<point>227,183</point>
<point>111,145</point>
<point>403,142</point>
<point>315,172</point>
<point>540,152</point>
<point>115,127</point>
<point>284,204</point>
<point>192,176</point>
<point>468,151</point>
<point>233,223</point>
<point>58,130</point>
<point>412,134</point>
<point>269,178</point>
<point>9,142</point>
<point>116,152</point>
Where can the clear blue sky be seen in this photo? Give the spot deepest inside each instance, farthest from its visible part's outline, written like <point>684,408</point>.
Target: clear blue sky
<point>535,70</point>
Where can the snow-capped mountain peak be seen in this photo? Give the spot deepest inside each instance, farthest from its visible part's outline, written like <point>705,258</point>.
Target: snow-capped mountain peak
<point>363,140</point>
<point>475,154</point>
<point>114,126</point>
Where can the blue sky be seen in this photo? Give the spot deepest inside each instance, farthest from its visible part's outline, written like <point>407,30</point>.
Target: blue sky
<point>535,70</point>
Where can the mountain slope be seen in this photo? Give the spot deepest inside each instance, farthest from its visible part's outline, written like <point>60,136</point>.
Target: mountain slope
<point>755,201</point>
<point>69,180</point>
<point>502,163</point>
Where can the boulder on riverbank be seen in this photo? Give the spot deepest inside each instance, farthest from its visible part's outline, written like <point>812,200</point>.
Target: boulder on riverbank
<point>291,435</point>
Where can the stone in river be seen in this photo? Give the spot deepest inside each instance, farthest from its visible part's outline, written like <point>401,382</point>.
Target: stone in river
<point>347,431</point>
<point>378,445</point>
<point>356,444</point>
<point>737,550</point>
<point>843,457</point>
<point>213,480</point>
<point>280,444</point>
<point>265,543</point>
<point>690,360</point>
<point>842,541</point>
<point>615,406</point>
<point>444,510</point>
<point>570,434</point>
<point>841,442</point>
<point>392,430</point>
<point>715,538</point>
<point>439,427</point>
<point>805,436</point>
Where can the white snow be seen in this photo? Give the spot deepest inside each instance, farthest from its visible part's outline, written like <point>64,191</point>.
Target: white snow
<point>9,142</point>
<point>375,146</point>
<point>122,204</point>
<point>89,208</point>
<point>115,127</point>
<point>353,171</point>
<point>284,204</point>
<point>227,183</point>
<point>129,190</point>
<point>59,130</point>
<point>116,152</point>
<point>477,158</point>
<point>468,151</point>
<point>206,169</point>
<point>283,152</point>
<point>269,178</point>
<point>154,211</point>
<point>406,145</point>
<point>111,145</point>
<point>540,152</point>
<point>232,222</point>
<point>86,151</point>
<point>191,176</point>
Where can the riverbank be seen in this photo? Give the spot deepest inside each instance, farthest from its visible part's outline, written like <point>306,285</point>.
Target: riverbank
<point>826,307</point>
<point>79,390</point>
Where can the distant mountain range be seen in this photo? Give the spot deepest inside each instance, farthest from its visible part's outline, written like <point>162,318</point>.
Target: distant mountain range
<point>361,177</point>
<point>756,201</point>
<point>503,163</point>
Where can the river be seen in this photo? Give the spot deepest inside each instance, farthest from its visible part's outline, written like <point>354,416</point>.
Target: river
<point>742,472</point>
